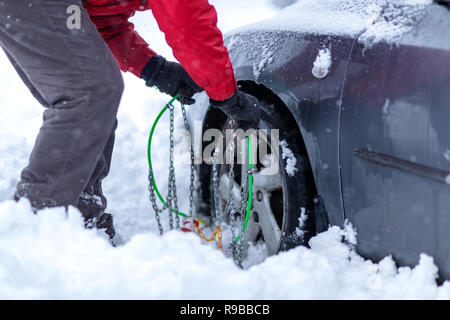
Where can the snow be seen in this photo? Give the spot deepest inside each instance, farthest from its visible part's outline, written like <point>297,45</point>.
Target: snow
<point>283,3</point>
<point>386,107</point>
<point>50,255</point>
<point>322,63</point>
<point>303,217</point>
<point>265,57</point>
<point>371,20</point>
<point>299,232</point>
<point>447,155</point>
<point>291,161</point>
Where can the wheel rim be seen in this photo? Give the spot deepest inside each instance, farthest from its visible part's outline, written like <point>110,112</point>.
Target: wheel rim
<point>267,215</point>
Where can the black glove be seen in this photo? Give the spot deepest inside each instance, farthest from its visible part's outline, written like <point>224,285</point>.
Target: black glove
<point>171,78</point>
<point>242,107</point>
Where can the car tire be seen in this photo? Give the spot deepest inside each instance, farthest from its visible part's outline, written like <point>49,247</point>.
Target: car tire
<point>297,192</point>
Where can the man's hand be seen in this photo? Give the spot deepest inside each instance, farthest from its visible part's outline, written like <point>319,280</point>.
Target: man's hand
<point>242,107</point>
<point>171,78</point>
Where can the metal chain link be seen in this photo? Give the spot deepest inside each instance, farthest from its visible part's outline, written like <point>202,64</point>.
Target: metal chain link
<point>236,213</point>
<point>153,201</point>
<point>230,210</point>
<point>192,176</point>
<point>242,210</point>
<point>170,198</point>
<point>217,214</point>
<point>171,201</point>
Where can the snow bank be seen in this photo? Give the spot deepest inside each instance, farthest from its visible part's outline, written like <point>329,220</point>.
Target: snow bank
<point>51,255</point>
<point>372,20</point>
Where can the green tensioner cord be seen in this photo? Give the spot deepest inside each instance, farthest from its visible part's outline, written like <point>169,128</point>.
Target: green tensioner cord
<point>250,166</point>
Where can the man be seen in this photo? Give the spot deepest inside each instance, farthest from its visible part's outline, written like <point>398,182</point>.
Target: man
<point>73,74</point>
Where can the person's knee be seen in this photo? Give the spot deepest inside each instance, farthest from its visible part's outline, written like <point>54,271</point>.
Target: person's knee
<point>113,86</point>
<point>107,90</point>
<point>116,85</point>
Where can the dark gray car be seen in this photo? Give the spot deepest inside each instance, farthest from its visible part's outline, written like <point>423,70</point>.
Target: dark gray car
<point>365,111</point>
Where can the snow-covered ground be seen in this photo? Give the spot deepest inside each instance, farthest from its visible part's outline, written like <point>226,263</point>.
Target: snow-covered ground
<point>50,255</point>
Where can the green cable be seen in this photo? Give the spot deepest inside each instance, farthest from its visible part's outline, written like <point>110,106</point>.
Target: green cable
<point>149,156</point>
<point>250,187</point>
<point>149,153</point>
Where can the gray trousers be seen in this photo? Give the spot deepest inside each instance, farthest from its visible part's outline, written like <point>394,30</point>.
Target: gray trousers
<point>73,74</point>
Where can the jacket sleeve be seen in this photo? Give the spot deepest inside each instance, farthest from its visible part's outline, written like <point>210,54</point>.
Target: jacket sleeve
<point>190,27</point>
<point>130,50</point>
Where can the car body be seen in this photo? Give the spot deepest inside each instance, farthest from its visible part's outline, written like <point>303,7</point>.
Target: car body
<point>376,127</point>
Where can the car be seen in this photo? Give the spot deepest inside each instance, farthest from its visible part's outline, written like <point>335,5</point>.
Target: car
<point>360,93</point>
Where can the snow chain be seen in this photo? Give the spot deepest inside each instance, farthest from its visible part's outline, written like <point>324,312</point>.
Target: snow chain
<point>235,213</point>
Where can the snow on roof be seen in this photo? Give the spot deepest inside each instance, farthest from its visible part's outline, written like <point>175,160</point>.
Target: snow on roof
<point>372,20</point>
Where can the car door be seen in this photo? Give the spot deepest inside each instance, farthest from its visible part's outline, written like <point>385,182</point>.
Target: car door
<point>395,144</point>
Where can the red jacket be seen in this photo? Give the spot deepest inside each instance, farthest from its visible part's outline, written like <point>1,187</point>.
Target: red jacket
<point>190,27</point>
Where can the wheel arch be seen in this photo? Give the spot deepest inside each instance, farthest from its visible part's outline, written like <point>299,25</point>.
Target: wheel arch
<point>214,118</point>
